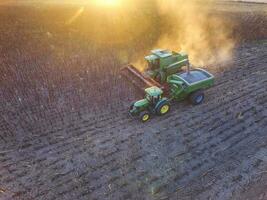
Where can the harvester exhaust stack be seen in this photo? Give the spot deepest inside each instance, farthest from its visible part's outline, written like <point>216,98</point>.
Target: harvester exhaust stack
<point>138,79</point>
<point>188,67</point>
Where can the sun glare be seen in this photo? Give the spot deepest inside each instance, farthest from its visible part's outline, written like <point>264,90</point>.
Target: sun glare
<point>108,2</point>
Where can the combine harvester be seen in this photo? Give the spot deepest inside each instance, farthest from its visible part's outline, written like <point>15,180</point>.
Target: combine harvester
<point>160,64</point>
<point>164,81</point>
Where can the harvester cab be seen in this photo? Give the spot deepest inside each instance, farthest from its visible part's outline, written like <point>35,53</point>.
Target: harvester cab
<point>162,63</point>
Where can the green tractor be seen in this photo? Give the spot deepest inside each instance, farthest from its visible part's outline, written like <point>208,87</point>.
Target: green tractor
<point>185,85</point>
<point>153,103</point>
<point>162,63</point>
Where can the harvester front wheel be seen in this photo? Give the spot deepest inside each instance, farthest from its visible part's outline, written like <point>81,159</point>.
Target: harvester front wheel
<point>144,116</point>
<point>197,97</point>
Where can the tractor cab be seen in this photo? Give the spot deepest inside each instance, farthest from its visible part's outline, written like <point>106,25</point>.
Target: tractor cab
<point>153,103</point>
<point>153,94</point>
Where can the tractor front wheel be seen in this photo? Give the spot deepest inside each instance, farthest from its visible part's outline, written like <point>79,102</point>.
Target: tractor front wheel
<point>144,116</point>
<point>132,105</point>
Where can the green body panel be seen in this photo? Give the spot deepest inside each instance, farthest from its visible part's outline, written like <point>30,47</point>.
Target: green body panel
<point>180,88</point>
<point>165,62</point>
<point>190,89</point>
<point>141,103</point>
<point>175,67</point>
<point>139,106</point>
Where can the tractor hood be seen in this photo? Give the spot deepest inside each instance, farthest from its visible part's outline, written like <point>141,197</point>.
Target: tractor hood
<point>141,103</point>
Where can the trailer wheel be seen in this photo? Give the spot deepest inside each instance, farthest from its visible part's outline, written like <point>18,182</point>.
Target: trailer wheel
<point>144,116</point>
<point>197,97</point>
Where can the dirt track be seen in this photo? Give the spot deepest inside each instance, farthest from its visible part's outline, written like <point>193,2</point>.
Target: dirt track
<point>57,142</point>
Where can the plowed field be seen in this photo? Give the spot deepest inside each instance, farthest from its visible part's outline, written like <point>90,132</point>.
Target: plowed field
<point>65,132</point>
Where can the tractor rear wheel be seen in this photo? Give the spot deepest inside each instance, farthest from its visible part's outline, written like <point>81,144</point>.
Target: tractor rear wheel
<point>163,108</point>
<point>144,116</point>
<point>197,97</point>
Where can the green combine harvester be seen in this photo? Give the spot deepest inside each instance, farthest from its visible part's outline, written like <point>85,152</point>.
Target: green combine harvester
<point>162,63</point>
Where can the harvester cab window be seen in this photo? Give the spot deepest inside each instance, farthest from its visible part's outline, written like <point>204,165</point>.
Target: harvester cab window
<point>149,65</point>
<point>156,64</point>
<point>153,64</point>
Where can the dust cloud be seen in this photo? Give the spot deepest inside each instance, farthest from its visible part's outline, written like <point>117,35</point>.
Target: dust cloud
<point>134,27</point>
<point>193,27</point>
<point>189,26</point>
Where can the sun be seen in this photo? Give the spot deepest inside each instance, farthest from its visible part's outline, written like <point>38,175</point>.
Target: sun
<point>108,2</point>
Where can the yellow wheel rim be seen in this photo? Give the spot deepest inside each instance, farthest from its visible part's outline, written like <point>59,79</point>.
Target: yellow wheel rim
<point>164,109</point>
<point>145,117</point>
